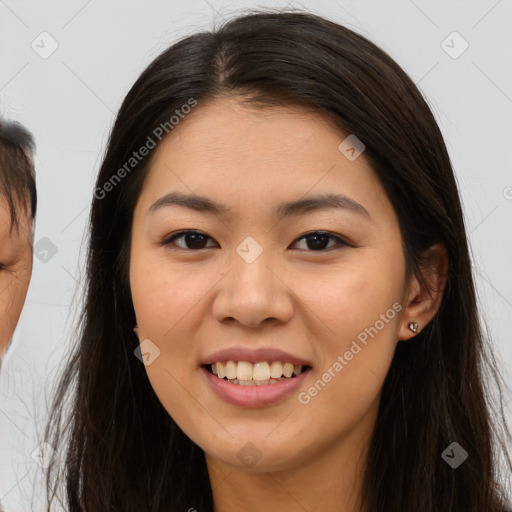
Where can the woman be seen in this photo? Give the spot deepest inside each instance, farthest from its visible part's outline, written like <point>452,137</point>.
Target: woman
<point>277,220</point>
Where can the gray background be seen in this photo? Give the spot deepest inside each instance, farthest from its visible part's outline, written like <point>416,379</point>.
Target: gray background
<point>68,100</point>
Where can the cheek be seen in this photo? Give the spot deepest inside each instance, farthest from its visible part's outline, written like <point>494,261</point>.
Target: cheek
<point>361,308</point>
<point>13,291</point>
<point>163,300</point>
<point>352,297</point>
<point>6,327</point>
<point>163,295</point>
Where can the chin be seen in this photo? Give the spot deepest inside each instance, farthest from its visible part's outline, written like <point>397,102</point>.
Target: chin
<point>256,454</point>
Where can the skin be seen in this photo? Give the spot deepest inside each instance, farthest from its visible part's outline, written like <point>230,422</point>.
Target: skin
<point>15,270</point>
<point>312,303</point>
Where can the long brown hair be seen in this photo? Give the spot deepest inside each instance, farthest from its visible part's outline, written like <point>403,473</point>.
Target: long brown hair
<point>122,450</point>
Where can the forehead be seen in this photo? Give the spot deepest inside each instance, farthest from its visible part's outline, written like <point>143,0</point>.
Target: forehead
<point>12,235</point>
<point>5,217</point>
<point>241,130</point>
<point>256,157</point>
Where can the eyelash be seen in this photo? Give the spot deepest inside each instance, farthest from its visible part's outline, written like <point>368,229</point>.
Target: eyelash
<point>341,242</point>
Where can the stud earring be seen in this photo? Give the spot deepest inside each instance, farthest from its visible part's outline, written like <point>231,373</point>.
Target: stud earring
<point>413,326</point>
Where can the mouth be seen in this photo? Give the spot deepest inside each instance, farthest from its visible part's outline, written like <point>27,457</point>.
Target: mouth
<point>262,373</point>
<point>257,384</point>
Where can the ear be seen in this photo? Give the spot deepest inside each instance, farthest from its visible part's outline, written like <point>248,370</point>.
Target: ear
<point>424,300</point>
<point>136,330</point>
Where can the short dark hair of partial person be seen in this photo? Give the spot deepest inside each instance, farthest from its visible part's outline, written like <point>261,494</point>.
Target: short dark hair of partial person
<point>17,173</point>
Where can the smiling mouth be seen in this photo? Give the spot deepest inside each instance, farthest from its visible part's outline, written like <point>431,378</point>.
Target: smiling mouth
<point>244,373</point>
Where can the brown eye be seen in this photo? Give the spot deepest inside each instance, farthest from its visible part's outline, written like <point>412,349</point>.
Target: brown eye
<point>193,240</point>
<point>318,240</point>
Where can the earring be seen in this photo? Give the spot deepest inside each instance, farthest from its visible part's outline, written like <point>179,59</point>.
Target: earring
<point>136,329</point>
<point>413,326</point>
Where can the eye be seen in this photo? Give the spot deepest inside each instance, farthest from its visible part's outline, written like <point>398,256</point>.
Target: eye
<point>195,240</point>
<point>318,239</point>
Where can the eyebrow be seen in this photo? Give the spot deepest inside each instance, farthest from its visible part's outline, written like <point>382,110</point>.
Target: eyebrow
<point>286,209</point>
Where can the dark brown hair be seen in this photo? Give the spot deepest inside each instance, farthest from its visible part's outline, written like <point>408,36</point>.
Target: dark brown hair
<point>123,452</point>
<point>17,174</point>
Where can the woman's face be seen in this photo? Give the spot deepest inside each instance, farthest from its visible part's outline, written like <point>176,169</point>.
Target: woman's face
<point>252,283</point>
<point>15,271</point>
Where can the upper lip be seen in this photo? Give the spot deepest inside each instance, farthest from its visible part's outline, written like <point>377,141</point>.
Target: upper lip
<point>252,355</point>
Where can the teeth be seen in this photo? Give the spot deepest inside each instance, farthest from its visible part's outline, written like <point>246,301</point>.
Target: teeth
<point>230,370</point>
<point>243,370</point>
<point>256,382</point>
<point>276,369</point>
<point>220,371</point>
<point>260,371</point>
<point>263,372</point>
<point>288,369</point>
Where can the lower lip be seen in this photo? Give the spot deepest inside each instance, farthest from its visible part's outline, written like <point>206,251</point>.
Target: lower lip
<point>254,396</point>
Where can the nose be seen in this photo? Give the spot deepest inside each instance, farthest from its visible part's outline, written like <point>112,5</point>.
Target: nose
<point>253,293</point>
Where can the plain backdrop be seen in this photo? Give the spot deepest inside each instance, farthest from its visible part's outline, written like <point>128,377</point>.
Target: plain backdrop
<point>69,98</point>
